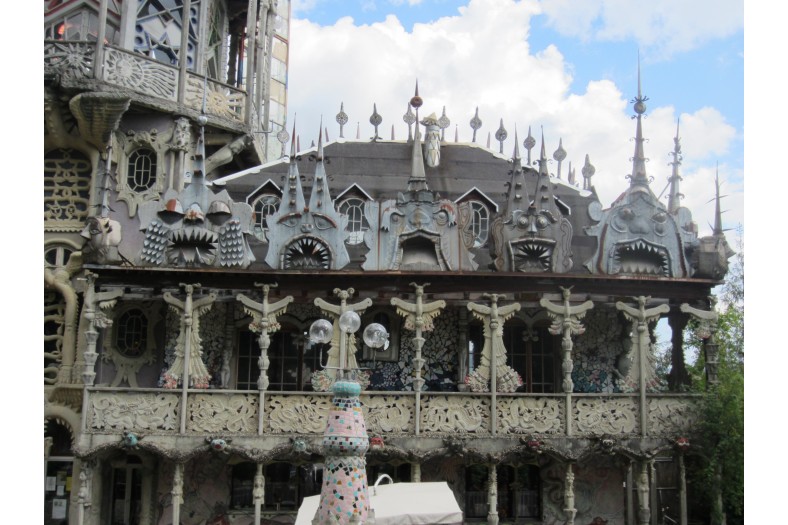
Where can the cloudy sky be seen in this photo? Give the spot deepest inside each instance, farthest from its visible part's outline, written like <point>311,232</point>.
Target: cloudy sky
<point>566,66</point>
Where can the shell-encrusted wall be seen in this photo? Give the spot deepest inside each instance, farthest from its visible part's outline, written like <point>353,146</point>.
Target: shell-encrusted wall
<point>597,351</point>
<point>439,352</point>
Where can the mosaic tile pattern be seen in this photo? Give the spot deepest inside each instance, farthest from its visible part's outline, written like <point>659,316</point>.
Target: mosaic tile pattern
<point>344,493</point>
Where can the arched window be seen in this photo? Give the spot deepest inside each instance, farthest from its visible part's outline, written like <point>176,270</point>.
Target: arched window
<point>356,222</point>
<point>56,256</point>
<point>480,223</point>
<point>141,173</point>
<point>131,333</point>
<point>264,206</point>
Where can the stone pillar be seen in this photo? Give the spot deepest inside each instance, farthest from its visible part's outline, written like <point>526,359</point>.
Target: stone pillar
<point>492,496</point>
<point>569,495</point>
<point>682,491</point>
<point>644,496</point>
<point>415,472</point>
<point>177,493</point>
<point>84,498</point>
<point>679,377</point>
<point>258,493</point>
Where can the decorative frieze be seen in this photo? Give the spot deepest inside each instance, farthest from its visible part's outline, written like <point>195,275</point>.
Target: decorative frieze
<point>454,414</point>
<point>70,60</point>
<point>605,415</point>
<point>222,413</point>
<point>301,414</point>
<point>220,100</point>
<point>137,73</point>
<point>389,414</point>
<point>525,415</point>
<point>115,412</point>
<point>671,416</point>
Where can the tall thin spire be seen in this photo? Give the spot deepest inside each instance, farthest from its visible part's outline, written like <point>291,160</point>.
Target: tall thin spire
<point>516,186</point>
<point>718,231</point>
<point>418,180</point>
<point>674,199</point>
<point>638,176</point>
<point>320,197</point>
<point>293,200</point>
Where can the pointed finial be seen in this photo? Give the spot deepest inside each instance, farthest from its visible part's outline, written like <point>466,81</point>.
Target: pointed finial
<point>588,172</point>
<point>409,119</point>
<point>392,132</point>
<point>476,123</point>
<point>675,196</point>
<point>342,119</point>
<point>320,141</point>
<point>326,130</point>
<point>358,130</point>
<point>516,154</point>
<point>559,155</point>
<point>718,231</point>
<point>638,177</point>
<point>418,179</point>
<point>529,144</point>
<point>416,101</point>
<point>283,137</point>
<point>571,177</point>
<point>443,123</point>
<point>500,136</point>
<point>298,142</point>
<point>375,120</point>
<point>293,144</point>
<point>488,140</point>
<point>456,134</point>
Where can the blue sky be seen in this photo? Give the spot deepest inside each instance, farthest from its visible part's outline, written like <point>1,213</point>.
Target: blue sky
<point>568,66</point>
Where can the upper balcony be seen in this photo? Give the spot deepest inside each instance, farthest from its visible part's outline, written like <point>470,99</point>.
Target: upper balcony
<point>149,82</point>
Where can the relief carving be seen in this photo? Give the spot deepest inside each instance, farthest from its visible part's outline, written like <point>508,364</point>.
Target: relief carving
<point>220,413</point>
<point>605,416</point>
<point>671,416</point>
<point>388,413</point>
<point>453,414</point>
<point>299,414</point>
<point>523,415</point>
<point>114,412</point>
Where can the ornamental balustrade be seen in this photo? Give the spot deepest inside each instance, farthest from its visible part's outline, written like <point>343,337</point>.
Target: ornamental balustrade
<point>75,60</point>
<point>157,411</point>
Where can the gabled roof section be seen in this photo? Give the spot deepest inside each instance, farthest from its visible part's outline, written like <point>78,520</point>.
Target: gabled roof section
<point>353,188</point>
<point>268,186</point>
<point>480,196</point>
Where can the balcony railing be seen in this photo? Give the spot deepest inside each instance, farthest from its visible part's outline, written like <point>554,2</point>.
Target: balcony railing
<point>157,411</point>
<point>76,60</point>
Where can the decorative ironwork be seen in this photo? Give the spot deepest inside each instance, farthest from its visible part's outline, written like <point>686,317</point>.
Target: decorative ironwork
<point>342,119</point>
<point>476,123</point>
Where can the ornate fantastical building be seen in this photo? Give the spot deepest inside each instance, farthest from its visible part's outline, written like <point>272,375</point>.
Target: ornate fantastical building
<point>521,309</point>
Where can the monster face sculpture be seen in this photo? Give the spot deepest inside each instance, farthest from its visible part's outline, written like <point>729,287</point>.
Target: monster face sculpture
<point>537,240</point>
<point>637,236</point>
<point>196,228</point>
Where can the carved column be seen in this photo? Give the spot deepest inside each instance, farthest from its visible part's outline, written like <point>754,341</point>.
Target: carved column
<point>84,499</point>
<point>258,493</point>
<point>418,316</point>
<point>682,490</point>
<point>177,493</point>
<point>415,472</point>
<point>492,496</point>
<point>183,61</point>
<point>641,318</point>
<point>644,511</point>
<point>264,322</point>
<point>566,321</point>
<point>569,495</point>
<point>707,331</point>
<point>678,374</point>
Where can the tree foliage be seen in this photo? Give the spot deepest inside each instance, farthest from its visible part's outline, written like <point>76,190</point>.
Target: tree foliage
<point>719,476</point>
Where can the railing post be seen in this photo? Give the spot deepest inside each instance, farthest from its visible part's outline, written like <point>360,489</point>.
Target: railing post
<point>258,493</point>
<point>183,63</point>
<point>100,37</point>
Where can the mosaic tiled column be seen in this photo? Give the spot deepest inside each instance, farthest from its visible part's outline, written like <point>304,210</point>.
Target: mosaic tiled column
<point>344,497</point>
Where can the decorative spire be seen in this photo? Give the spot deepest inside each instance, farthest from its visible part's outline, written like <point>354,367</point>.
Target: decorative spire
<point>674,199</point>
<point>293,200</point>
<point>283,137</point>
<point>456,134</point>
<point>392,132</point>
<point>320,197</point>
<point>476,123</point>
<point>718,231</point>
<point>571,177</point>
<point>559,155</point>
<point>488,140</point>
<point>342,119</point>
<point>500,136</point>
<point>543,196</point>
<point>516,186</point>
<point>443,123</point>
<point>326,131</point>
<point>358,130</point>
<point>416,101</point>
<point>588,172</point>
<point>529,144</point>
<point>418,180</point>
<point>375,120</point>
<point>638,177</point>
<point>409,119</point>
<point>516,155</point>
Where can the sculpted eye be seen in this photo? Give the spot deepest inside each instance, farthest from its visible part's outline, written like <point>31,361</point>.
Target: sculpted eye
<point>542,222</point>
<point>323,223</point>
<point>290,220</point>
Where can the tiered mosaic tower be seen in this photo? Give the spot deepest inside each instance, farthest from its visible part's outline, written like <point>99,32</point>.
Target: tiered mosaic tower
<point>344,497</point>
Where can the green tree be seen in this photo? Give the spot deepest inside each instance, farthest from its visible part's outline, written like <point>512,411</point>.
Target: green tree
<point>719,477</point>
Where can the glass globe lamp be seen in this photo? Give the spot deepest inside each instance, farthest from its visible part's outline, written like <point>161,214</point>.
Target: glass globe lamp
<point>321,331</point>
<point>349,322</point>
<point>376,336</point>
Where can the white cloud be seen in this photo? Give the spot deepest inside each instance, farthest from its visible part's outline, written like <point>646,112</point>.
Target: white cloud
<point>667,26</point>
<point>481,57</point>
